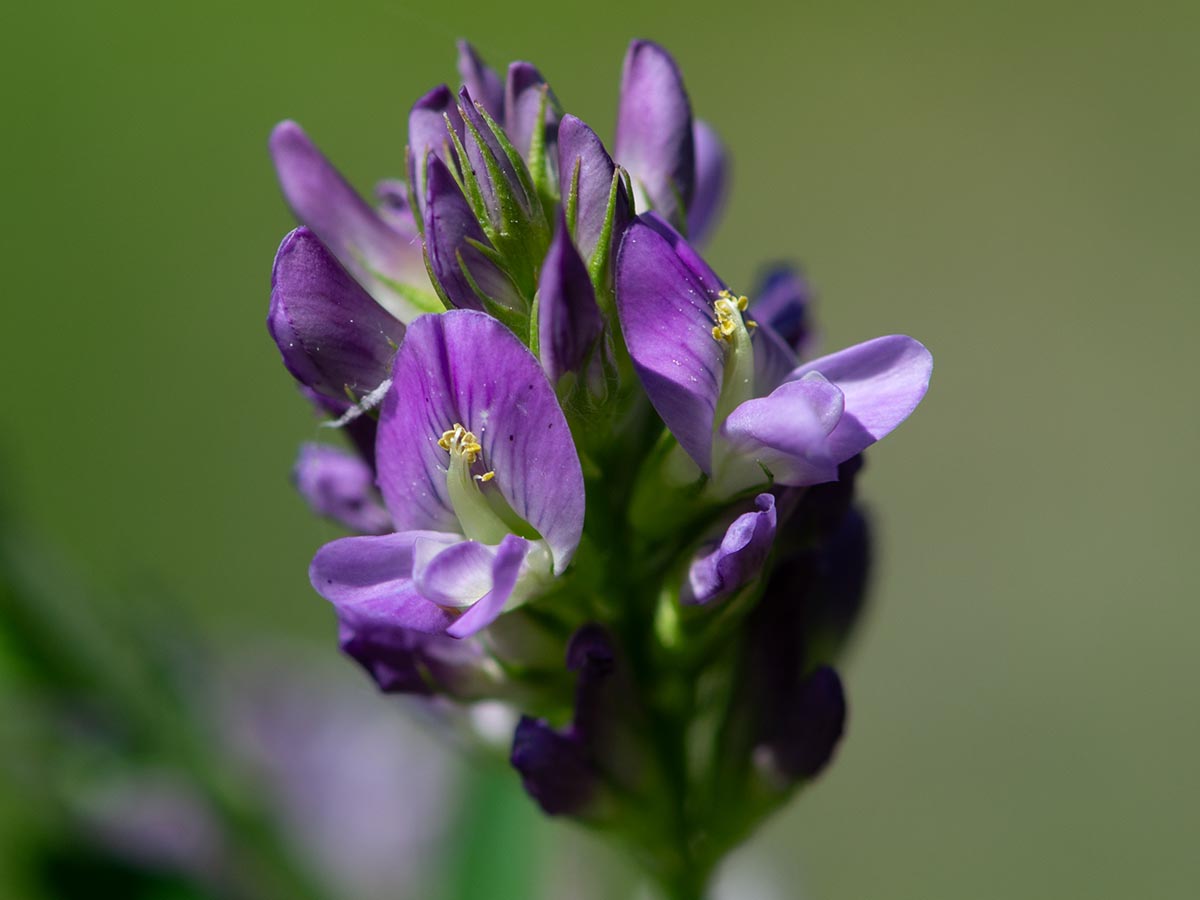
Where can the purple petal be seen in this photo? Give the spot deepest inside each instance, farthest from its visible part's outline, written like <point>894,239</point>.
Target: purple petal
<point>522,100</point>
<point>569,321</point>
<point>331,333</point>
<point>465,367</point>
<point>685,251</point>
<point>666,315</point>
<point>505,567</point>
<point>450,226</point>
<point>654,130</point>
<point>788,430</point>
<point>395,207</point>
<point>584,164</point>
<point>738,559</point>
<point>774,360</point>
<point>712,180</point>
<point>391,656</point>
<point>369,581</point>
<point>882,380</point>
<point>554,767</point>
<point>481,81</point>
<point>427,134</point>
<point>783,302</point>
<point>363,242</point>
<point>341,486</point>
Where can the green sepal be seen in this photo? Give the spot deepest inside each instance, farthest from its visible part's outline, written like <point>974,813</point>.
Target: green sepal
<point>539,169</point>
<point>511,318</point>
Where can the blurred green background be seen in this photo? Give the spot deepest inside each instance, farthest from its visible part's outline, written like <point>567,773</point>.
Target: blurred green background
<point>1015,184</point>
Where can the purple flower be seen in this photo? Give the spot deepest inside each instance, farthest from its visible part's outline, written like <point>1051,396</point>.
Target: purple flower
<point>334,338</point>
<point>340,486</point>
<point>481,81</point>
<point>569,321</point>
<point>731,392</point>
<point>712,181</point>
<point>593,193</point>
<point>737,559</point>
<point>382,251</point>
<point>479,472</point>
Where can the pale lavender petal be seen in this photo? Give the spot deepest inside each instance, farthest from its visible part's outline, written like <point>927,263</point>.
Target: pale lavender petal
<point>584,164</point>
<point>654,139</point>
<point>450,227</point>
<point>667,318</point>
<point>739,557</point>
<point>774,360</point>
<point>369,581</point>
<point>481,81</point>
<point>788,431</point>
<point>464,367</point>
<point>712,181</point>
<point>395,207</point>
<point>783,301</point>
<point>569,321</point>
<point>332,335</point>
<point>341,486</point>
<point>455,576</point>
<point>506,566</point>
<point>522,98</point>
<point>428,134</point>
<point>882,380</point>
<point>362,241</point>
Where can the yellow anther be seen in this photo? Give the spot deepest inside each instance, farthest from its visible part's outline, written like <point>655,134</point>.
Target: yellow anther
<point>729,310</point>
<point>485,477</point>
<point>460,441</point>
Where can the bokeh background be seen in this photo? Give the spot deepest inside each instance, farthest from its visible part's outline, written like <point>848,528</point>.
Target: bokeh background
<point>1015,184</point>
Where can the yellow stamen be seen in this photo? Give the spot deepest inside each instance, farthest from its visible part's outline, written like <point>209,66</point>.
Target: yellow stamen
<point>729,309</point>
<point>485,477</point>
<point>459,441</point>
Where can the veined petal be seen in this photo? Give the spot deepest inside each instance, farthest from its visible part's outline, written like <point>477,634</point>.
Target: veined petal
<point>585,167</point>
<point>654,139</point>
<point>667,318</point>
<point>788,430</point>
<point>362,241</point>
<point>506,563</point>
<point>481,81</point>
<point>712,181</point>
<point>783,301</point>
<point>341,486</point>
<point>450,229</point>
<point>464,367</point>
<point>882,381</point>
<point>522,100</point>
<point>427,134</point>
<point>332,335</point>
<point>369,581</point>
<point>569,321</point>
<point>737,559</point>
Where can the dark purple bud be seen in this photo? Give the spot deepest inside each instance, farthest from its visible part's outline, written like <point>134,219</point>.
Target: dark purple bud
<point>525,94</point>
<point>585,173</point>
<point>737,560</point>
<point>340,486</point>
<point>555,768</point>
<point>654,138</point>
<point>712,182</point>
<point>456,262</point>
<point>590,654</point>
<point>569,321</point>
<point>332,335</point>
<point>481,81</point>
<point>360,430</point>
<point>783,301</point>
<point>808,728</point>
<point>403,661</point>
<point>489,162</point>
<point>428,134</point>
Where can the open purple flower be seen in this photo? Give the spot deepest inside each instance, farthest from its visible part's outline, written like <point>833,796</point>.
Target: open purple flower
<point>730,389</point>
<point>479,472</point>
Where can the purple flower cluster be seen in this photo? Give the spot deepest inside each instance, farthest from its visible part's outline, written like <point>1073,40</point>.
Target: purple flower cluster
<point>572,439</point>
